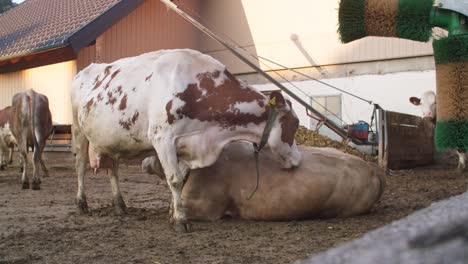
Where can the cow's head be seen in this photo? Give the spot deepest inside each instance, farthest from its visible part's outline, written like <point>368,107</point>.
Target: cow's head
<point>427,102</point>
<point>281,140</point>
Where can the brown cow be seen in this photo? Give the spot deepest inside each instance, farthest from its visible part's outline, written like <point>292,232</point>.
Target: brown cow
<point>31,124</point>
<point>329,183</point>
<point>7,141</point>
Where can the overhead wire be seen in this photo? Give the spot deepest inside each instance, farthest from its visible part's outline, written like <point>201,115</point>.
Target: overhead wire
<point>261,59</point>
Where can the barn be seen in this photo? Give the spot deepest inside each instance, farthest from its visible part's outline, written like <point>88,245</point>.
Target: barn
<point>45,50</point>
<point>45,43</point>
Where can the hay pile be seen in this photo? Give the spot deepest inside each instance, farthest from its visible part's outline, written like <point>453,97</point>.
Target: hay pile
<point>311,138</point>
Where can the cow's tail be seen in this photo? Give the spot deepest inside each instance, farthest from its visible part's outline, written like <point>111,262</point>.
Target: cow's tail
<point>33,132</point>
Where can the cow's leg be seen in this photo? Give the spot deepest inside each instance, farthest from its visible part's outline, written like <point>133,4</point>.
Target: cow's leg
<point>24,161</point>
<point>42,145</point>
<point>81,149</point>
<point>2,159</point>
<point>20,163</point>
<point>461,160</point>
<point>36,179</point>
<point>117,200</point>
<point>10,158</point>
<point>175,173</point>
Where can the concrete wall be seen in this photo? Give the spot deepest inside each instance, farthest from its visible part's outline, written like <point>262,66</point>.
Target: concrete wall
<point>52,80</point>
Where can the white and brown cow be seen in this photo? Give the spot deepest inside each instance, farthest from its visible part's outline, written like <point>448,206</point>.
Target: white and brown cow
<point>31,124</point>
<point>428,104</point>
<point>7,140</point>
<point>181,104</point>
<point>330,184</point>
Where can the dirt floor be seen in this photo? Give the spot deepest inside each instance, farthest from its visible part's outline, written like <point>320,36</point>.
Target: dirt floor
<point>43,226</point>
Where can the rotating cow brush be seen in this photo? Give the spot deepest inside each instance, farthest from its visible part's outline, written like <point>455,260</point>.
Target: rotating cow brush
<point>414,20</point>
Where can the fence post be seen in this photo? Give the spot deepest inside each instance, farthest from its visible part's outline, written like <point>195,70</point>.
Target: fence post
<point>381,123</point>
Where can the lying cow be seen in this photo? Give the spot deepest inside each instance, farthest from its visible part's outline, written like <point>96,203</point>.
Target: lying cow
<point>428,103</point>
<point>181,104</point>
<point>330,184</point>
<point>7,141</point>
<point>31,124</point>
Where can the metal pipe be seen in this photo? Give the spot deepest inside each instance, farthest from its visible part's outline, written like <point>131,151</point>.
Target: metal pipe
<point>335,128</point>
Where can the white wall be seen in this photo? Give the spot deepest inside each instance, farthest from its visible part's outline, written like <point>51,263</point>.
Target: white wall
<point>390,91</point>
<point>295,33</point>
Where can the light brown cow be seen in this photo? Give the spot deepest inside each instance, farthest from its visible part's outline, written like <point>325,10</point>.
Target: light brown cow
<point>329,183</point>
<point>7,141</point>
<point>31,124</point>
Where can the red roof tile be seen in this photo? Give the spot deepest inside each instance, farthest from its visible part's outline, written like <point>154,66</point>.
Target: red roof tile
<point>37,25</point>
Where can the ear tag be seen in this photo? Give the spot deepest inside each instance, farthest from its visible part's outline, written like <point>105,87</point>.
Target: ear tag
<point>272,101</point>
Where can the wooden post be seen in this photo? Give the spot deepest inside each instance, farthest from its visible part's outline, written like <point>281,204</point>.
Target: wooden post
<point>99,57</point>
<point>382,135</point>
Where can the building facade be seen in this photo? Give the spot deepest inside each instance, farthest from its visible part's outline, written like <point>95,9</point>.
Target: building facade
<point>299,34</point>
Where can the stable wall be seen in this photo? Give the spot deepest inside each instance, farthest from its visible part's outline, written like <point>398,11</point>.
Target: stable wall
<point>52,80</point>
<point>151,26</point>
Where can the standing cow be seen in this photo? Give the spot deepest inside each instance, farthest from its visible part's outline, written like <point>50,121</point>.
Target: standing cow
<point>180,103</point>
<point>330,184</point>
<point>428,103</point>
<point>31,124</point>
<point>7,141</point>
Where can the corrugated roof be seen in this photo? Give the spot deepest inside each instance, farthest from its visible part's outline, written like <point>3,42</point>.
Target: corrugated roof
<point>37,25</point>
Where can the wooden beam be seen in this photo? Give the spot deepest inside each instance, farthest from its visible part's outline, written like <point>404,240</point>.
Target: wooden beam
<point>95,28</point>
<point>37,59</point>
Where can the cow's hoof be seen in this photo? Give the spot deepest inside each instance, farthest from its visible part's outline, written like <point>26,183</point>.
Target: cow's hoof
<point>36,185</point>
<point>119,206</point>
<point>183,227</point>
<point>82,206</point>
<point>21,170</point>
<point>171,219</point>
<point>2,167</point>
<point>25,185</point>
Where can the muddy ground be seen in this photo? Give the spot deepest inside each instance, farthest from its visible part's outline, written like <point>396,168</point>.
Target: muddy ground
<point>43,226</point>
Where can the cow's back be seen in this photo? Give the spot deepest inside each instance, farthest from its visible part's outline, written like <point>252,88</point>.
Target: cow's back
<point>21,115</point>
<point>4,116</point>
<point>6,139</point>
<point>42,115</point>
<point>136,97</point>
<point>328,183</point>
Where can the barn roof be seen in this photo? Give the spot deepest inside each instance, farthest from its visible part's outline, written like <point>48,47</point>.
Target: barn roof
<point>39,25</point>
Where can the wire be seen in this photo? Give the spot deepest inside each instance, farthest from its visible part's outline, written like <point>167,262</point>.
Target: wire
<point>237,46</point>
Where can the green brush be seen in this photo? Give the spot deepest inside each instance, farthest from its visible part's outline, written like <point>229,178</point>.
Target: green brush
<point>408,19</point>
<point>414,19</point>
<point>451,58</point>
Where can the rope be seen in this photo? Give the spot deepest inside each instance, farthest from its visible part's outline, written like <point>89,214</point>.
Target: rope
<point>272,114</point>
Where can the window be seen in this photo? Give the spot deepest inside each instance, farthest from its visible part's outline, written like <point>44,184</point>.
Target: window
<point>329,105</point>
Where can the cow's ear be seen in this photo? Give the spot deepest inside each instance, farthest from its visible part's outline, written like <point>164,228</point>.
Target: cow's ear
<point>277,100</point>
<point>415,100</point>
